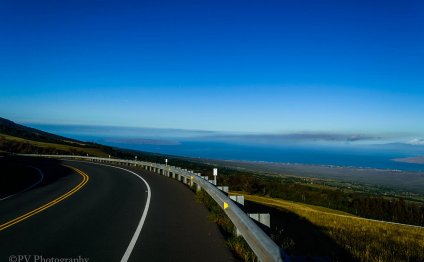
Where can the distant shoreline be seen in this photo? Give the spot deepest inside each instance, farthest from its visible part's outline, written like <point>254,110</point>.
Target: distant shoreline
<point>411,181</point>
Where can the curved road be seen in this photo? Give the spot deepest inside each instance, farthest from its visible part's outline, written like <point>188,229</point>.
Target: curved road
<point>93,211</point>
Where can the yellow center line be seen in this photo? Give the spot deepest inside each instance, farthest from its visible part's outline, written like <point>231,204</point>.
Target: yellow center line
<point>25,216</point>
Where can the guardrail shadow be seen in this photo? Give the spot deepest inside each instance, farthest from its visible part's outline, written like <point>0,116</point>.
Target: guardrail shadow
<point>301,239</point>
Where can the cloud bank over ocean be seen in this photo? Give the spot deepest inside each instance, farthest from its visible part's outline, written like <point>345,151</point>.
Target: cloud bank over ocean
<point>301,137</point>
<point>416,141</point>
<point>169,136</point>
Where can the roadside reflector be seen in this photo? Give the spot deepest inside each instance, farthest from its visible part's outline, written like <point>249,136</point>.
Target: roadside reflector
<point>225,205</point>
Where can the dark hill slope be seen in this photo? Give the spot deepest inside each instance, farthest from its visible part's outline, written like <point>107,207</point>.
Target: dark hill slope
<point>16,138</point>
<point>8,127</point>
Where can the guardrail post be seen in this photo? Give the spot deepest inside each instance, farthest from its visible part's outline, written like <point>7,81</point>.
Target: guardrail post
<point>223,188</point>
<point>215,174</point>
<point>238,199</point>
<point>264,219</point>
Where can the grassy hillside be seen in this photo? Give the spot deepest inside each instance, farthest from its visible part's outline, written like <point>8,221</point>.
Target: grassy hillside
<point>14,144</point>
<point>15,138</point>
<point>8,127</point>
<point>362,239</point>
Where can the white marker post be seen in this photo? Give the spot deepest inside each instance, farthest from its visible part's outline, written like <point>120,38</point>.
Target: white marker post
<point>166,161</point>
<point>135,158</point>
<point>215,174</point>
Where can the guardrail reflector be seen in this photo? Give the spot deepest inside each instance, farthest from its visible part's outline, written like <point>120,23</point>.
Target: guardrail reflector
<point>225,205</point>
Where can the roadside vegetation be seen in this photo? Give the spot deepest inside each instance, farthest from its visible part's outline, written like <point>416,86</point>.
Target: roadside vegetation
<point>362,239</point>
<point>237,244</point>
<point>374,206</point>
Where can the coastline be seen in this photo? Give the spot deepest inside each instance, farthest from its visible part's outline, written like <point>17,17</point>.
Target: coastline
<point>410,181</point>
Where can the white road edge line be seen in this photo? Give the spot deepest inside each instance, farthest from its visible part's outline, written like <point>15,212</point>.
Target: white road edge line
<point>143,217</point>
<point>30,187</point>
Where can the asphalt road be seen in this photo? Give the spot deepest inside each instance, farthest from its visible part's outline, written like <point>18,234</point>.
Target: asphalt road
<point>97,217</point>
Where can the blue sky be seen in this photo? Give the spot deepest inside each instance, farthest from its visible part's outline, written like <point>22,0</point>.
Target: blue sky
<point>287,67</point>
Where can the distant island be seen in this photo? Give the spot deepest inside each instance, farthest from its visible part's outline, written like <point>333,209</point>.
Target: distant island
<point>411,160</point>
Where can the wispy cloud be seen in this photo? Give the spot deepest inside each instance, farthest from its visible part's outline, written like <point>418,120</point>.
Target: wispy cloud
<point>416,141</point>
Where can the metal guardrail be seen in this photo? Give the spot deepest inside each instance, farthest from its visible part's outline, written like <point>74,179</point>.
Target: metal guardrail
<point>261,244</point>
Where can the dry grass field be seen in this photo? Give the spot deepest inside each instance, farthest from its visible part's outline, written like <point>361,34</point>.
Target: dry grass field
<point>364,240</point>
